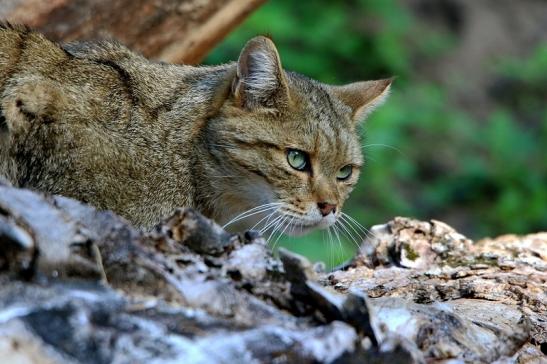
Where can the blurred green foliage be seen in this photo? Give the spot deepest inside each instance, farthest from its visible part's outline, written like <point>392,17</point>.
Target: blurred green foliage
<point>426,158</point>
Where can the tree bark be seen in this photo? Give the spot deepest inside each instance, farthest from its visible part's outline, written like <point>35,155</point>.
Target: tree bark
<point>79,285</point>
<point>173,31</point>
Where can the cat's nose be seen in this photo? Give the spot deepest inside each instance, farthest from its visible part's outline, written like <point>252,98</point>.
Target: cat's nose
<point>326,208</point>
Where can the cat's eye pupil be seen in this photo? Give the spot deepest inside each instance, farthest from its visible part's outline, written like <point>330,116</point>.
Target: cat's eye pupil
<point>344,172</point>
<point>297,159</point>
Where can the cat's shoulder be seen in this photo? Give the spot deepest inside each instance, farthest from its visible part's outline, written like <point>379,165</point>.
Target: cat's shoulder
<point>101,50</point>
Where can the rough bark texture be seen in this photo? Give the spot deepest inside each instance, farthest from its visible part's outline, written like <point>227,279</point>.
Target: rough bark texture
<point>474,301</point>
<point>78,285</point>
<point>173,31</point>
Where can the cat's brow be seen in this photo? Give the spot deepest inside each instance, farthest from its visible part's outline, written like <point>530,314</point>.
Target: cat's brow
<point>256,143</point>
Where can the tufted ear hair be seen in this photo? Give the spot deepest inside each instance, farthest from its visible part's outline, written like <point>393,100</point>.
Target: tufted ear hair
<point>363,97</point>
<point>260,80</point>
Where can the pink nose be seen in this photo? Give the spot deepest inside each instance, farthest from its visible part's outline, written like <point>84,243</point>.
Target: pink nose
<point>326,208</point>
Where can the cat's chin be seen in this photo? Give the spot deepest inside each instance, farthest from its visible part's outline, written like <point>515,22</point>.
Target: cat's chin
<point>296,229</point>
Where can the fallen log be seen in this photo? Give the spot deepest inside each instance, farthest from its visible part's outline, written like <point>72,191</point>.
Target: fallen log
<point>80,285</point>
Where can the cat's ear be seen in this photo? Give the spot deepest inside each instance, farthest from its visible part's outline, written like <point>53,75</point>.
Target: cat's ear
<point>363,97</point>
<point>260,80</point>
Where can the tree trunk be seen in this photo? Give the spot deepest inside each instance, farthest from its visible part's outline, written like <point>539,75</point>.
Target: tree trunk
<point>173,31</point>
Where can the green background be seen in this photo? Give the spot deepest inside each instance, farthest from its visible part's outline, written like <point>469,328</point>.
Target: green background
<point>426,156</point>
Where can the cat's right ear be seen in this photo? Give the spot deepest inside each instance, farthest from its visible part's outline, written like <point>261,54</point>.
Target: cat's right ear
<point>260,80</point>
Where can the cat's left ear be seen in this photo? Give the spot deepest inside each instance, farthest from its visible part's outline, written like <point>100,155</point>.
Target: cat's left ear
<point>260,80</point>
<point>363,97</point>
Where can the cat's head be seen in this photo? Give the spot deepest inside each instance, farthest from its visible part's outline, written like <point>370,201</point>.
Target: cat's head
<point>287,143</point>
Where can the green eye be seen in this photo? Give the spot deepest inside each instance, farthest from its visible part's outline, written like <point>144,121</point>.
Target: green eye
<point>297,159</point>
<point>344,172</point>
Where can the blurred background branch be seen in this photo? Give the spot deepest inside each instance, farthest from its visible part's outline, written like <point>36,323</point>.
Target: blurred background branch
<point>169,30</point>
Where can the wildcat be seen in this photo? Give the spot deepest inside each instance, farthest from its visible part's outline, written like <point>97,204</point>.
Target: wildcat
<point>101,124</point>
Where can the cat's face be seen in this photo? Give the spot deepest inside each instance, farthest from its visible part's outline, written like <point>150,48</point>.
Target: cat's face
<point>286,146</point>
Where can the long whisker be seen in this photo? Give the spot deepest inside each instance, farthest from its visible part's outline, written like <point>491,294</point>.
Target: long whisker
<point>350,224</point>
<point>260,207</point>
<point>253,211</point>
<point>277,226</point>
<point>331,245</point>
<point>270,224</point>
<point>361,227</point>
<point>342,224</point>
<point>369,158</point>
<point>282,232</point>
<point>267,218</point>
<point>341,249</point>
<point>382,145</point>
<point>297,224</point>
<point>249,214</point>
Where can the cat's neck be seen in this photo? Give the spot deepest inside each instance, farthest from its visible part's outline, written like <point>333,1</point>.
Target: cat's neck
<point>198,94</point>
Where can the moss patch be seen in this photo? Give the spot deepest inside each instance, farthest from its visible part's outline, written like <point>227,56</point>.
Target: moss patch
<point>411,254</point>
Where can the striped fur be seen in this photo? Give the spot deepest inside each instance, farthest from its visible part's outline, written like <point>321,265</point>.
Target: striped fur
<point>102,124</point>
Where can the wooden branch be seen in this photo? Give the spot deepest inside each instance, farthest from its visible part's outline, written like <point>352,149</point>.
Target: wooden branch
<point>169,30</point>
<point>194,47</point>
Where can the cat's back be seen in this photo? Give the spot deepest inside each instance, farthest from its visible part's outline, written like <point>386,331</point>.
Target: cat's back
<point>100,123</point>
<point>75,118</point>
<point>89,69</point>
<point>42,81</point>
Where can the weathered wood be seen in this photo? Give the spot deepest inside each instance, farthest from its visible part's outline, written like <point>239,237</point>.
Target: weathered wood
<point>174,31</point>
<point>486,299</point>
<point>418,292</point>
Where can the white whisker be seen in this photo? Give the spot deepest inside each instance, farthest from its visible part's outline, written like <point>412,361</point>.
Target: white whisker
<point>348,233</point>
<point>270,224</point>
<point>268,217</point>
<point>282,232</point>
<point>349,224</point>
<point>341,249</point>
<point>249,214</point>
<point>277,226</point>
<point>331,245</point>
<point>253,211</point>
<point>382,145</point>
<point>369,158</point>
<point>361,227</point>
